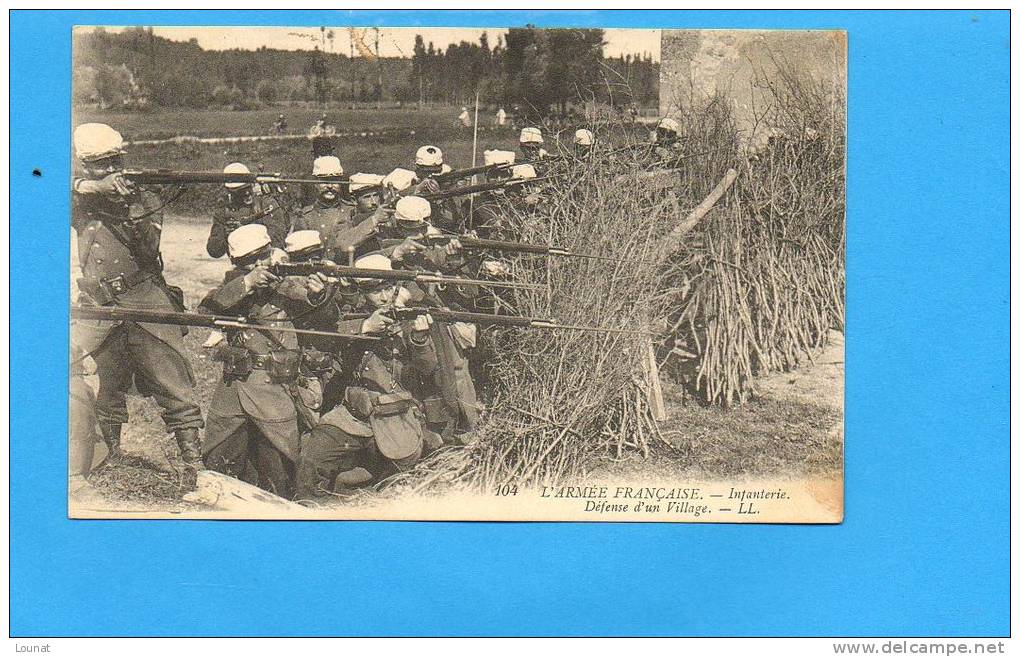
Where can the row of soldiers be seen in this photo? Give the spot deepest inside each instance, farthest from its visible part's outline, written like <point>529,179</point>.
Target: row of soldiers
<point>333,385</point>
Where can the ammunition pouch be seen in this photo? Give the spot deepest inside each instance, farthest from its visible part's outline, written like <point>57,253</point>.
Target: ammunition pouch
<point>396,424</point>
<point>316,363</point>
<point>283,366</point>
<point>237,363</point>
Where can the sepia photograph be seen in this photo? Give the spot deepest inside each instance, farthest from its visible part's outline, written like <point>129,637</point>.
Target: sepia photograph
<point>499,274</point>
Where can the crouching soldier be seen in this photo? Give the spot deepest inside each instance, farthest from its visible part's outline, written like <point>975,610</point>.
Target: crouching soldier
<point>252,423</point>
<point>380,427</point>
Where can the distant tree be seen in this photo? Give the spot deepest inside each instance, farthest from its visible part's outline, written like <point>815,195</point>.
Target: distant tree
<point>315,72</point>
<point>267,91</point>
<point>112,85</point>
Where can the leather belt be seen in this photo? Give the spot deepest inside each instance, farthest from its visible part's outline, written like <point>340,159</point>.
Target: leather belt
<point>120,284</point>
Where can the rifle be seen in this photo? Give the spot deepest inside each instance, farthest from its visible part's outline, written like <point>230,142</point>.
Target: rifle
<point>117,314</point>
<point>470,242</point>
<point>488,319</point>
<point>341,271</point>
<point>460,174</point>
<point>169,177</point>
<point>485,187</point>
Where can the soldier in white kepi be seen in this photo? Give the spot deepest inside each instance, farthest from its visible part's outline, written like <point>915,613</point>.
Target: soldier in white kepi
<point>119,228</point>
<point>380,427</point>
<point>668,148</point>
<point>242,205</point>
<point>331,213</point>
<point>428,163</point>
<point>530,145</point>
<point>584,142</point>
<point>252,428</point>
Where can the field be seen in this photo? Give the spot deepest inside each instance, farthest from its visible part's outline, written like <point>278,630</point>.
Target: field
<point>162,124</point>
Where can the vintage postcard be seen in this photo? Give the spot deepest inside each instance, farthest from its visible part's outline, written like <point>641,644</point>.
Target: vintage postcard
<point>513,274</point>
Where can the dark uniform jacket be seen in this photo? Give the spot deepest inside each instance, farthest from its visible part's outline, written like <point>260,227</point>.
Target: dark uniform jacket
<point>264,210</point>
<point>336,228</point>
<point>257,394</point>
<point>118,251</point>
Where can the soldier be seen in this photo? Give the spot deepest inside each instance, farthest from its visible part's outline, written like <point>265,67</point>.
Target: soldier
<point>280,127</point>
<point>323,137</point>
<point>118,228</point>
<point>530,145</point>
<point>366,188</point>
<point>501,116</point>
<point>667,148</point>
<point>331,213</point>
<point>81,419</point>
<point>253,415</point>
<point>464,118</point>
<point>242,204</point>
<point>428,162</point>
<point>584,143</point>
<point>380,426</point>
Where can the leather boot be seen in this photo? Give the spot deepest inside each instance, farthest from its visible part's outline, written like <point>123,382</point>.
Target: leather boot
<point>111,436</point>
<point>191,448</point>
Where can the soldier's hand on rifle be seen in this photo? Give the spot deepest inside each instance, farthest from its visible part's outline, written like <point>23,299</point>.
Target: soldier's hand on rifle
<point>422,322</point>
<point>88,365</point>
<point>260,278</point>
<point>427,186</point>
<point>317,284</point>
<point>115,184</point>
<point>453,247</point>
<point>494,268</point>
<point>377,322</point>
<point>406,248</point>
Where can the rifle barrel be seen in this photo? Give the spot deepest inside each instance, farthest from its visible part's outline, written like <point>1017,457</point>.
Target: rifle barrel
<point>488,319</point>
<point>174,318</point>
<point>169,177</point>
<point>341,271</point>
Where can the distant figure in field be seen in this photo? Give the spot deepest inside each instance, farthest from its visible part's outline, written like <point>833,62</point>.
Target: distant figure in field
<point>323,137</point>
<point>464,117</point>
<point>501,116</point>
<point>281,125</point>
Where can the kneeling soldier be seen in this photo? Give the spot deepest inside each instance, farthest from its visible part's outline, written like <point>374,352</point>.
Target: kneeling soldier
<point>253,412</point>
<point>380,427</point>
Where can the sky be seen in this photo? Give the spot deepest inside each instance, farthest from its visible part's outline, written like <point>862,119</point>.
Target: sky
<point>393,42</point>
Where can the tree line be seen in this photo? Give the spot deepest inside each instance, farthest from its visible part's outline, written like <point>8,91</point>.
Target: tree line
<point>534,69</point>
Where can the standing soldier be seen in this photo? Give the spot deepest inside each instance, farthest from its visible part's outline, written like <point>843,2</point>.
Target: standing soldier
<point>281,125</point>
<point>331,211</point>
<point>501,116</point>
<point>464,118</point>
<point>253,415</point>
<point>118,228</point>
<point>323,137</point>
<point>242,206</point>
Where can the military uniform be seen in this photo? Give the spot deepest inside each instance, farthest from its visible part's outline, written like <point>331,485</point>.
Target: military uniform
<point>253,413</point>
<point>379,427</point>
<point>336,228</point>
<point>263,210</point>
<point>118,251</point>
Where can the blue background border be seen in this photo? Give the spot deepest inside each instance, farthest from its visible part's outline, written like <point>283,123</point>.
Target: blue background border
<point>924,549</point>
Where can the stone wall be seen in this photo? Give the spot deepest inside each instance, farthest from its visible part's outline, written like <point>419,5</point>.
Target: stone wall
<point>699,63</point>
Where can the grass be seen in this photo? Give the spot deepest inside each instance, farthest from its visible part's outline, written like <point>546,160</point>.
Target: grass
<point>225,123</point>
